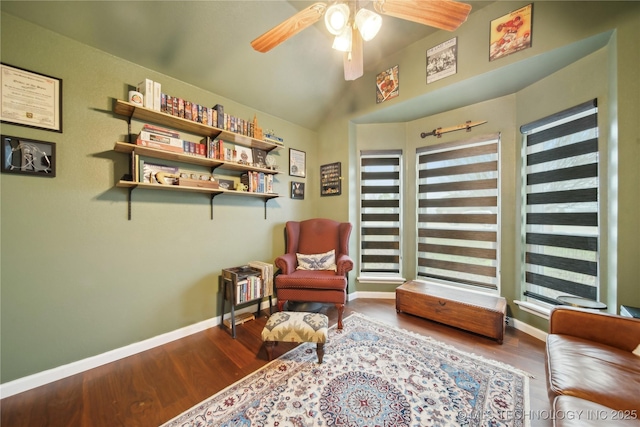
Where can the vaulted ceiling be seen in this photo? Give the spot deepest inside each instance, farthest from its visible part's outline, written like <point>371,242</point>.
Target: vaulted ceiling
<point>207,44</point>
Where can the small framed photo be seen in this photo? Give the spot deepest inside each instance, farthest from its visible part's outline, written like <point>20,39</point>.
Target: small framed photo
<point>297,163</point>
<point>297,190</point>
<point>511,33</point>
<point>28,156</point>
<point>30,99</point>
<point>226,184</point>
<point>442,60</point>
<point>387,84</point>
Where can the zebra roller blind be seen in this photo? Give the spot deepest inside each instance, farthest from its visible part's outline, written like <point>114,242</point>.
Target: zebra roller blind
<point>380,212</point>
<point>458,218</point>
<point>561,202</point>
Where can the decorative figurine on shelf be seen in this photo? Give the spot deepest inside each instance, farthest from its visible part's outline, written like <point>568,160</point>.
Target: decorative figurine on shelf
<point>241,187</point>
<point>257,131</point>
<point>271,162</point>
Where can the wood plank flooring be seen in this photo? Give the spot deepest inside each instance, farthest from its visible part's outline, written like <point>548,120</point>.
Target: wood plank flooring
<point>150,388</point>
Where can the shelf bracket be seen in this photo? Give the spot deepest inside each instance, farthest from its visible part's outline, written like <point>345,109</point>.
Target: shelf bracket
<point>129,131</point>
<point>212,196</point>
<point>129,203</point>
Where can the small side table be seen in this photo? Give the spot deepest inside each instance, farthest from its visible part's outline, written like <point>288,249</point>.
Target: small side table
<point>628,311</point>
<point>581,302</point>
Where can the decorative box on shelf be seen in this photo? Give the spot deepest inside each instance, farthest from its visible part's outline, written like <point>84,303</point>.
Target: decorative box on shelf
<point>190,182</point>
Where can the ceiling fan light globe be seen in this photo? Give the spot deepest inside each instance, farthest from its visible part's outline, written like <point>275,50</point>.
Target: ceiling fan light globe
<point>343,41</point>
<point>336,18</point>
<point>368,23</point>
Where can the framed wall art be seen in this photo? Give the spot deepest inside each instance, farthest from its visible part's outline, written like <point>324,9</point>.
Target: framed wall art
<point>511,33</point>
<point>331,179</point>
<point>28,156</point>
<point>30,99</point>
<point>297,190</point>
<point>297,163</point>
<point>387,84</point>
<point>442,60</point>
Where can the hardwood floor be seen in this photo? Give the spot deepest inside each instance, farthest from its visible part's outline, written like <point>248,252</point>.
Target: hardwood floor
<point>150,388</point>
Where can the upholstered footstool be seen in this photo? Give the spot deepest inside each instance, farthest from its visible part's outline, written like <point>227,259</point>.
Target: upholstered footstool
<point>292,326</point>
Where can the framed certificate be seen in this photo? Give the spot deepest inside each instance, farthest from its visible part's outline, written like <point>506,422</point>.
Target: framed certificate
<point>30,99</point>
<point>297,163</point>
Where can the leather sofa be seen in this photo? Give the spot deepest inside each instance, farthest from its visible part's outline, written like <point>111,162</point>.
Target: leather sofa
<point>593,376</point>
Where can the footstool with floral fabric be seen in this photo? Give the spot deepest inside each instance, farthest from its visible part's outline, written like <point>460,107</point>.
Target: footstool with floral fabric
<point>292,326</point>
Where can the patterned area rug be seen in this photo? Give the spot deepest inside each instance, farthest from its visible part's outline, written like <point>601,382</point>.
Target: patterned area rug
<point>373,375</point>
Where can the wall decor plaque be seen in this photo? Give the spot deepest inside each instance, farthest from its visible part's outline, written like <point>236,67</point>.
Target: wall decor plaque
<point>331,179</point>
<point>30,99</point>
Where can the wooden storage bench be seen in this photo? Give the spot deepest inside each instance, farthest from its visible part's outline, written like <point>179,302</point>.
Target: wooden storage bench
<point>473,312</point>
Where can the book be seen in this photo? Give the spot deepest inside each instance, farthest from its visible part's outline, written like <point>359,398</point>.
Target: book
<point>160,130</point>
<point>157,93</point>
<point>159,146</point>
<point>240,318</point>
<point>266,272</point>
<point>219,113</point>
<point>145,87</point>
<point>156,140</point>
<point>259,157</point>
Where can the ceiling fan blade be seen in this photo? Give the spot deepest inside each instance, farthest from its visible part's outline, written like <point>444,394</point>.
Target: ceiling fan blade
<point>353,61</point>
<point>289,27</point>
<point>443,14</point>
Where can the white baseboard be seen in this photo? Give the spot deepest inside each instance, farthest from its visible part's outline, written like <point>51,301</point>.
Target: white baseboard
<point>529,330</point>
<point>373,295</point>
<point>45,377</point>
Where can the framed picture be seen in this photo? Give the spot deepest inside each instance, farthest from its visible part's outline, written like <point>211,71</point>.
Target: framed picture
<point>387,85</point>
<point>511,33</point>
<point>28,156</point>
<point>30,99</point>
<point>442,60</point>
<point>244,155</point>
<point>331,179</point>
<point>297,163</point>
<point>226,184</point>
<point>297,190</point>
<point>259,157</point>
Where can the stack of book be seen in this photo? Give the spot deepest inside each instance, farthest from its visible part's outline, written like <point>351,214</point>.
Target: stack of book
<point>257,182</point>
<point>160,138</point>
<point>247,282</point>
<point>272,138</point>
<point>266,271</point>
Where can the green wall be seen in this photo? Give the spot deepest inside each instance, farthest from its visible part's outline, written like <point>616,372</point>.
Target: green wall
<point>78,279</point>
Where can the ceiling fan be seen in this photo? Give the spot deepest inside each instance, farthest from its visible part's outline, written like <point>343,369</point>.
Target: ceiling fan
<point>342,18</point>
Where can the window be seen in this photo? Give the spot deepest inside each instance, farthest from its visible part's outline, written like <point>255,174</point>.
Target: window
<point>561,205</point>
<point>380,213</point>
<point>458,217</point>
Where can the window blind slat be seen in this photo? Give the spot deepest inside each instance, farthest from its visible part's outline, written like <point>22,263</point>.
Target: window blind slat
<point>569,196</point>
<point>459,202</point>
<point>481,236</point>
<point>566,174</point>
<point>479,184</point>
<point>561,285</point>
<point>572,218</point>
<point>563,241</point>
<point>577,149</point>
<point>575,126</point>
